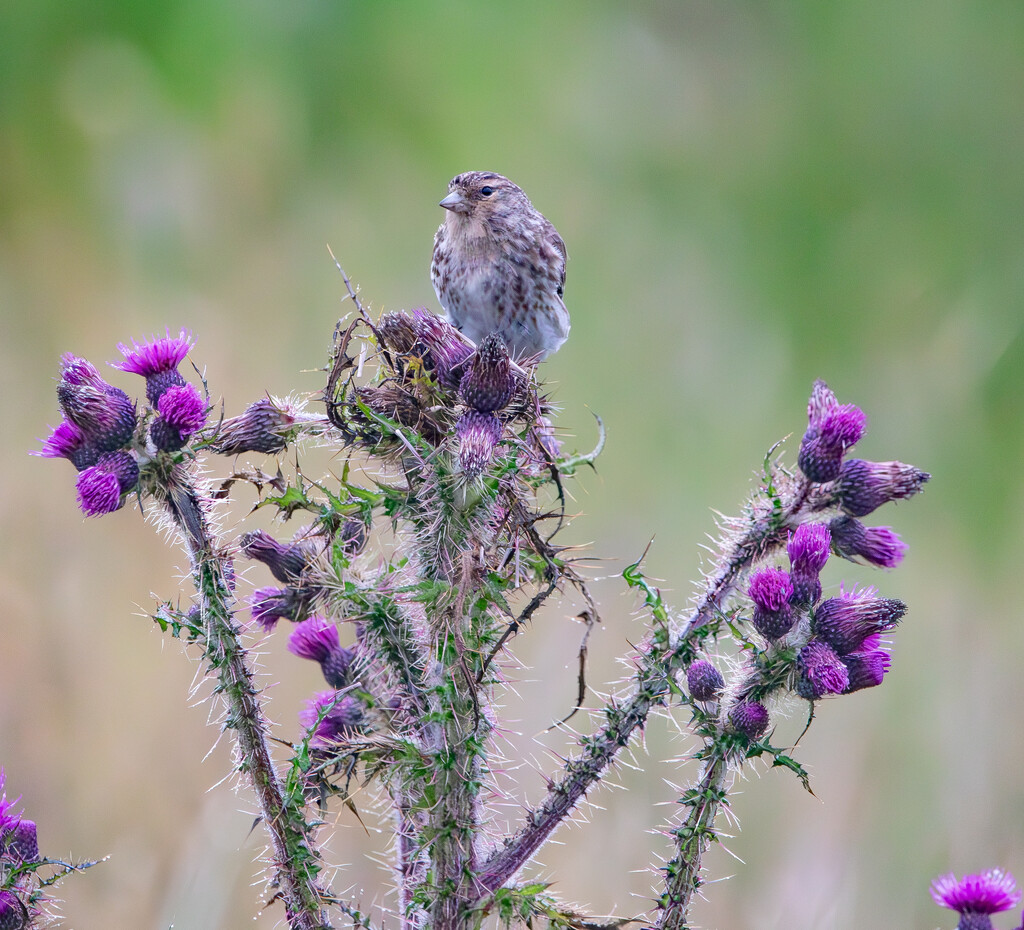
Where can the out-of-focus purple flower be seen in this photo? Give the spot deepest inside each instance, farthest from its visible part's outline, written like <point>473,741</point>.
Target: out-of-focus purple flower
<point>287,561</point>
<point>749,718</point>
<point>67,441</point>
<point>13,915</point>
<point>342,720</point>
<point>183,408</point>
<point>447,349</point>
<point>105,415</point>
<point>704,681</point>
<point>261,427</point>
<point>845,622</point>
<point>102,487</point>
<point>770,590</point>
<point>878,545</point>
<point>477,435</point>
<point>317,639</point>
<point>269,604</point>
<point>821,671</point>
<point>157,361</point>
<point>488,384</point>
<point>808,549</point>
<point>868,665</point>
<point>865,486</point>
<point>975,897</point>
<point>832,429</point>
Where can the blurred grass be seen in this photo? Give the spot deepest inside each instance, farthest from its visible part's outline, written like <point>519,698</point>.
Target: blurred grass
<point>753,195</point>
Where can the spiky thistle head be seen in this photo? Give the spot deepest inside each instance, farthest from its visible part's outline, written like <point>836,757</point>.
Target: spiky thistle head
<point>865,486</point>
<point>975,897</point>
<point>157,361</point>
<point>103,487</point>
<point>104,414</point>
<point>832,429</point>
<point>846,622</point>
<point>877,545</point>
<point>317,639</point>
<point>488,384</point>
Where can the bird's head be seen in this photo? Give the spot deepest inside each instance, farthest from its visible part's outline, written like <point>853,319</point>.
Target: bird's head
<point>481,195</point>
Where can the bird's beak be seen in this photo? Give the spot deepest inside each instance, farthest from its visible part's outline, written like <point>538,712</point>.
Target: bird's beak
<point>455,202</point>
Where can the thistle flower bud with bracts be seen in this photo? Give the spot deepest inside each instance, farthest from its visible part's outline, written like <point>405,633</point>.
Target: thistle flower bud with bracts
<point>157,361</point>
<point>165,438</point>
<point>832,429</point>
<point>261,427</point>
<point>488,384</point>
<point>398,331</point>
<point>808,550</point>
<point>868,665</point>
<point>477,435</point>
<point>102,487</point>
<point>820,671</point>
<point>286,561</point>
<point>183,408</point>
<point>865,486</point>
<point>344,716</point>
<point>976,897</point>
<point>269,604</point>
<point>18,840</point>
<point>13,914</point>
<point>317,639</point>
<point>105,415</point>
<point>704,681</point>
<point>770,590</point>
<point>447,349</point>
<point>67,441</point>
<point>878,545</point>
<point>353,537</point>
<point>749,718</point>
<point>845,622</point>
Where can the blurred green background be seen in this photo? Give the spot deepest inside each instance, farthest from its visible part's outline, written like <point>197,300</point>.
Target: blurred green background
<point>753,195</point>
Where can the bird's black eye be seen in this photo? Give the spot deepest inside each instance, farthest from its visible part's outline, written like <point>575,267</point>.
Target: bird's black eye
<point>487,191</point>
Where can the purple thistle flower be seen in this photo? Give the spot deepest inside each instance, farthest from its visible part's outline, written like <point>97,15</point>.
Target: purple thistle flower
<point>808,550</point>
<point>287,561</point>
<point>975,897</point>
<point>846,622</point>
<point>704,681</point>
<point>317,639</point>
<point>165,438</point>
<point>157,361</point>
<point>342,720</point>
<point>67,441</point>
<point>878,545</point>
<point>770,590</point>
<point>488,384</point>
<point>821,671</point>
<point>868,665</point>
<point>750,718</point>
<point>447,349</point>
<point>105,415</point>
<point>260,428</point>
<point>865,486</point>
<point>269,604</point>
<point>22,844</point>
<point>832,429</point>
<point>183,408</point>
<point>102,487</point>
<point>13,915</point>
<point>477,435</point>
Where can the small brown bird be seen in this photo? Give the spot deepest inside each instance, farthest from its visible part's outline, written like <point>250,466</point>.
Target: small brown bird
<point>499,267</point>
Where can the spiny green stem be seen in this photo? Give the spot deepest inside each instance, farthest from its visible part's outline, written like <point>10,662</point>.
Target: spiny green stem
<point>296,857</point>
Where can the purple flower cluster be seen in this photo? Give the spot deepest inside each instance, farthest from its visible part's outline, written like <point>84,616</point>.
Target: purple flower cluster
<point>975,897</point>
<point>18,846</point>
<point>98,429</point>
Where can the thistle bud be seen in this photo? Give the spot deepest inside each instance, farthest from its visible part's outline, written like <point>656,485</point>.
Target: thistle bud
<point>67,441</point>
<point>102,487</point>
<point>13,915</point>
<point>832,429</point>
<point>808,550</point>
<point>269,604</point>
<point>397,331</point>
<point>477,435</point>
<point>821,671</point>
<point>344,716</point>
<point>750,718</point>
<point>770,590</point>
<point>878,545</point>
<point>865,486</point>
<point>447,350</point>
<point>704,681</point>
<point>317,639</point>
<point>488,384</point>
<point>157,361</point>
<point>286,561</point>
<point>104,414</point>
<point>845,622</point>
<point>262,427</point>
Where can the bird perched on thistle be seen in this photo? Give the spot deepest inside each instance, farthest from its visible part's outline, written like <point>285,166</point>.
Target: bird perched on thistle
<point>499,267</point>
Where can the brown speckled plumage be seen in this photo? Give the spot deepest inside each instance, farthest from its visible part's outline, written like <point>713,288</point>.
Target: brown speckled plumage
<point>499,266</point>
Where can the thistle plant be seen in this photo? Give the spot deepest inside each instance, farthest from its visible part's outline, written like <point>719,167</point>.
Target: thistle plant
<point>407,577</point>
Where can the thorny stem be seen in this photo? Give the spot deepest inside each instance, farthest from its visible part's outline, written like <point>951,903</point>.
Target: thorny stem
<point>296,857</point>
<point>693,836</point>
<point>657,668</point>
